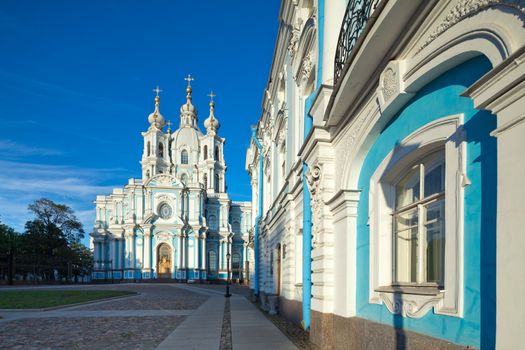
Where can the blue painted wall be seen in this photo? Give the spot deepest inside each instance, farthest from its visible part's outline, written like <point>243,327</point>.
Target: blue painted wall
<point>438,99</point>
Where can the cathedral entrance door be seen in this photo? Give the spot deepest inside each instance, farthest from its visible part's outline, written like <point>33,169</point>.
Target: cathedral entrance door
<point>164,261</point>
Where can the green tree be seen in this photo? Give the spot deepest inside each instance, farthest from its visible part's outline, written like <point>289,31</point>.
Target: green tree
<point>49,238</point>
<point>9,245</point>
<point>59,215</point>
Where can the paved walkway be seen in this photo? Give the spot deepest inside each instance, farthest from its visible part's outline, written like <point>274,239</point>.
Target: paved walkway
<point>250,329</point>
<point>166,316</point>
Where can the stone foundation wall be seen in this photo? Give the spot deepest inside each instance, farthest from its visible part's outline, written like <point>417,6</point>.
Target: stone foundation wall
<point>292,310</point>
<point>332,332</point>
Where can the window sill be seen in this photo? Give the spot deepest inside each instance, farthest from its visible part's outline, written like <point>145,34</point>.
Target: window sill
<point>410,301</point>
<point>414,290</point>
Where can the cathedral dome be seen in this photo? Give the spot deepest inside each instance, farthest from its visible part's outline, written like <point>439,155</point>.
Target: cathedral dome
<point>155,118</point>
<point>211,123</point>
<point>188,107</point>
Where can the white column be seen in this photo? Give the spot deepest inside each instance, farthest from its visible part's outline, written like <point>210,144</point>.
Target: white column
<point>503,94</point>
<point>147,249</point>
<point>203,253</point>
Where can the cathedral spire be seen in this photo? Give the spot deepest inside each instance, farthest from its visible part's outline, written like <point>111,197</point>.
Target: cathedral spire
<point>211,123</point>
<point>156,118</point>
<point>188,113</point>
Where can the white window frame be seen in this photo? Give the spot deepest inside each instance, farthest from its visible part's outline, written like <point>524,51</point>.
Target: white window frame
<point>445,133</point>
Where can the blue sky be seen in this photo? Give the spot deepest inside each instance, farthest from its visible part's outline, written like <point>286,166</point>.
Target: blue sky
<point>76,80</point>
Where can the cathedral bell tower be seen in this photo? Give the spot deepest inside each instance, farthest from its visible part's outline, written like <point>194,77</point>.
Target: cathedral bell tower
<point>213,156</point>
<point>155,157</point>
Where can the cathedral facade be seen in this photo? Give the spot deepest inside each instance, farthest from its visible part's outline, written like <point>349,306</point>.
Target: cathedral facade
<point>178,221</point>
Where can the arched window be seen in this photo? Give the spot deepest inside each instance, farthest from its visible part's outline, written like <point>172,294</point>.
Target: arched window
<point>147,174</point>
<point>217,180</point>
<point>205,181</point>
<point>148,149</point>
<point>184,157</point>
<point>205,154</point>
<point>161,150</point>
<point>216,152</point>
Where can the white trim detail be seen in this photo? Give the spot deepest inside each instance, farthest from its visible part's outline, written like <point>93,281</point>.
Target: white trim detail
<point>445,132</point>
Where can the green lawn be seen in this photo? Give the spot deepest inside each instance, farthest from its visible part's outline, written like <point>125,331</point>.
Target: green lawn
<point>37,299</point>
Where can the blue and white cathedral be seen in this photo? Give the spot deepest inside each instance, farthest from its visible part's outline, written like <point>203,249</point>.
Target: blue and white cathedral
<point>178,221</point>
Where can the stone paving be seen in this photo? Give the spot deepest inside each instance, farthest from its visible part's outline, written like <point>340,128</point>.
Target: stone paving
<point>162,316</point>
<point>87,332</point>
<point>137,322</point>
<point>153,297</point>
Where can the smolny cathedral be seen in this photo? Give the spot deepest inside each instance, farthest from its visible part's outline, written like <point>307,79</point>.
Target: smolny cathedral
<point>177,221</point>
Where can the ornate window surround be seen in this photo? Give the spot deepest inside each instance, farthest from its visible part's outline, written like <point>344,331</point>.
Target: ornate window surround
<point>444,133</point>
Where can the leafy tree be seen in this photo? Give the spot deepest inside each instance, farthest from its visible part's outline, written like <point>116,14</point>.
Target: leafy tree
<point>9,245</point>
<point>52,239</point>
<point>59,215</point>
<point>82,263</point>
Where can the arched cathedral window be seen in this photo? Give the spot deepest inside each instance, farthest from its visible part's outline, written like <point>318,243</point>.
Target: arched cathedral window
<point>184,157</point>
<point>161,150</point>
<point>205,154</point>
<point>217,180</point>
<point>148,150</point>
<point>216,152</point>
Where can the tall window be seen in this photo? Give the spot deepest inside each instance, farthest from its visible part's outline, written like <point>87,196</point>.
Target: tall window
<point>217,181</point>
<point>148,151</point>
<point>184,157</point>
<point>205,154</point>
<point>161,150</point>
<point>212,222</point>
<point>216,152</point>
<point>419,223</point>
<point>212,262</point>
<point>236,263</point>
<point>236,227</point>
<point>205,181</point>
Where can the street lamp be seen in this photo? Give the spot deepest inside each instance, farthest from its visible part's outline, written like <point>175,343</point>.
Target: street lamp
<point>228,256</point>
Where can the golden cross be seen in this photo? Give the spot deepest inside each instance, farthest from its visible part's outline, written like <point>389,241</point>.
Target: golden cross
<point>157,90</point>
<point>212,95</point>
<point>189,79</point>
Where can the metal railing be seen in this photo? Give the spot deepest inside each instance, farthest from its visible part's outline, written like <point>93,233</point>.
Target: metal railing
<point>356,16</point>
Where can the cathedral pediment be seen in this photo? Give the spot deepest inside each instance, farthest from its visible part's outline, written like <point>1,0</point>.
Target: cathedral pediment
<point>164,180</point>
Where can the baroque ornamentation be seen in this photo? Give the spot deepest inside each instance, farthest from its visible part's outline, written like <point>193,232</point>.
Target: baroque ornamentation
<point>294,40</point>
<point>307,66</point>
<point>406,305</point>
<point>313,177</point>
<point>389,84</point>
<point>468,8</point>
<point>351,136</point>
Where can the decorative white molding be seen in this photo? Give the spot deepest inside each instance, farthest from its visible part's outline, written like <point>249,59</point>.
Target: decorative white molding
<point>465,9</point>
<point>313,177</point>
<point>445,132</point>
<point>410,305</point>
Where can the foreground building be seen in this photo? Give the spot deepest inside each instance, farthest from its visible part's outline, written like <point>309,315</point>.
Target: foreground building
<point>387,171</point>
<point>178,221</point>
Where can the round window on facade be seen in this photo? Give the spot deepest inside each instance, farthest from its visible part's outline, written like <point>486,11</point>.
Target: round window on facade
<point>165,211</point>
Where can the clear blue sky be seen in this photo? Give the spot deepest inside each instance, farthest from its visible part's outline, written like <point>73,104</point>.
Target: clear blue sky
<point>76,80</point>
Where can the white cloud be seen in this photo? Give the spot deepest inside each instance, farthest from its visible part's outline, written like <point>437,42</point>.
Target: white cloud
<point>11,149</point>
<point>23,183</point>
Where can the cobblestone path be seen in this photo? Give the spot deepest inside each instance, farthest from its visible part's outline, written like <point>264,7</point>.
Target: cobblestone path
<point>138,322</point>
